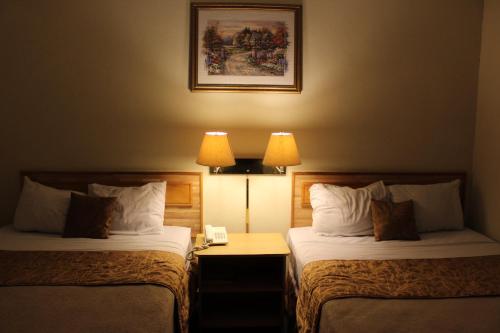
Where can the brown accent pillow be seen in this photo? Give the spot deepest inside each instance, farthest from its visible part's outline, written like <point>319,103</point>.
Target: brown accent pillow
<point>393,220</point>
<point>89,217</point>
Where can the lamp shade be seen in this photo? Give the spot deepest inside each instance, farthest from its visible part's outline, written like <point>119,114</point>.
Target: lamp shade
<point>215,150</point>
<point>281,150</point>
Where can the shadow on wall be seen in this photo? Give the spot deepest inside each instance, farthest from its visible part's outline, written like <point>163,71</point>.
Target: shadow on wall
<point>480,214</point>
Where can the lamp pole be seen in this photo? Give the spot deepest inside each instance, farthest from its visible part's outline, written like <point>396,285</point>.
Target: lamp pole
<point>247,211</point>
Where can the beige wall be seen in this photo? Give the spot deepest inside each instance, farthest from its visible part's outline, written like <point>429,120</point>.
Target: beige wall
<point>486,187</point>
<point>389,85</point>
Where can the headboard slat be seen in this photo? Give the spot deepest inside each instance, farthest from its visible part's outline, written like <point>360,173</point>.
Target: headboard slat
<point>183,203</point>
<point>302,181</point>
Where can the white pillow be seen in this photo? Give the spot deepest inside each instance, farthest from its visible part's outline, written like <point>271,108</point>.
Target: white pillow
<point>139,210</point>
<point>344,211</point>
<point>436,206</point>
<point>41,208</point>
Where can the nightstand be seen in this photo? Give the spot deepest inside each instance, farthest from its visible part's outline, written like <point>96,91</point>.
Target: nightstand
<point>241,285</point>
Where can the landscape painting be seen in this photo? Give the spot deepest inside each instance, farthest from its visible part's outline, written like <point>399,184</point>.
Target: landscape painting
<point>256,48</point>
<point>245,47</point>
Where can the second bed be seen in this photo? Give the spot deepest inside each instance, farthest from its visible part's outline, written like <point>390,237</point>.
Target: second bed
<point>355,284</point>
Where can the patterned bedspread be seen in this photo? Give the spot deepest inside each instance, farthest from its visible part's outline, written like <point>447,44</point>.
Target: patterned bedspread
<point>93,268</point>
<point>404,278</point>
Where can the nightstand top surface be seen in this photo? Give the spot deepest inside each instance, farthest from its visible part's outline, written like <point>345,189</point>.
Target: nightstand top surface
<point>241,244</point>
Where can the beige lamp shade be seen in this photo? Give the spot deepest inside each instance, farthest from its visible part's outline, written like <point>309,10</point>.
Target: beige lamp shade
<point>281,150</point>
<point>215,150</point>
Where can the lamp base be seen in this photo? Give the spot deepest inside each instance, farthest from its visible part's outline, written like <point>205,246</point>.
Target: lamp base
<point>248,166</point>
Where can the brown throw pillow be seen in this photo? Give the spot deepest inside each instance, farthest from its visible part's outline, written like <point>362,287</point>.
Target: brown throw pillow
<point>393,220</point>
<point>89,217</point>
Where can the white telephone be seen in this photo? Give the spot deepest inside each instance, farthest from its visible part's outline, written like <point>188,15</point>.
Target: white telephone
<point>215,235</point>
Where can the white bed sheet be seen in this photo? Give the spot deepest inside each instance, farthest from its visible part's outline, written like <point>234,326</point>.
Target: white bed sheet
<point>173,239</point>
<point>306,247</point>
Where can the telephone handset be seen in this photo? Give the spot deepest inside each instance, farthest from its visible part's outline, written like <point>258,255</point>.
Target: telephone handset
<point>215,235</point>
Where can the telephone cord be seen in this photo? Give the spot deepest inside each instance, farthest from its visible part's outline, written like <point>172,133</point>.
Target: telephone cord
<point>191,254</point>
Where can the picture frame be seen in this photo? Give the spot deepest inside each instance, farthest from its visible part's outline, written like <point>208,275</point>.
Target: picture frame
<point>245,47</point>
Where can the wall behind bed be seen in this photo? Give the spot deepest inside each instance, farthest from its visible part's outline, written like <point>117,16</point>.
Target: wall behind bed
<point>102,85</point>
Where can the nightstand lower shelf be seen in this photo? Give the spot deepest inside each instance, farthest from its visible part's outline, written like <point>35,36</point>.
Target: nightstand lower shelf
<point>258,309</point>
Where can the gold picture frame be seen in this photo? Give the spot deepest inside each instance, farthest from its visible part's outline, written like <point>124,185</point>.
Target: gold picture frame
<point>245,47</point>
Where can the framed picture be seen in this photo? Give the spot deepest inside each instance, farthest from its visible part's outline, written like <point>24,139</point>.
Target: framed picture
<point>246,47</point>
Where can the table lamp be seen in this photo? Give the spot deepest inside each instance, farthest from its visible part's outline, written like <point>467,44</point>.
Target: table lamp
<point>215,151</point>
<point>281,151</point>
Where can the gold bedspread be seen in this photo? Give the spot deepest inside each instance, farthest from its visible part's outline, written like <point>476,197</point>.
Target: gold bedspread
<point>404,278</point>
<point>95,268</point>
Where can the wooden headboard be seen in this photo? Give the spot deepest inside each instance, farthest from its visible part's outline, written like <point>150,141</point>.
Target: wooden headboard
<point>302,181</point>
<point>183,203</point>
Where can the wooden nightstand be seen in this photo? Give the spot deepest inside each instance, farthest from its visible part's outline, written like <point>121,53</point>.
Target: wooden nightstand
<point>242,284</point>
